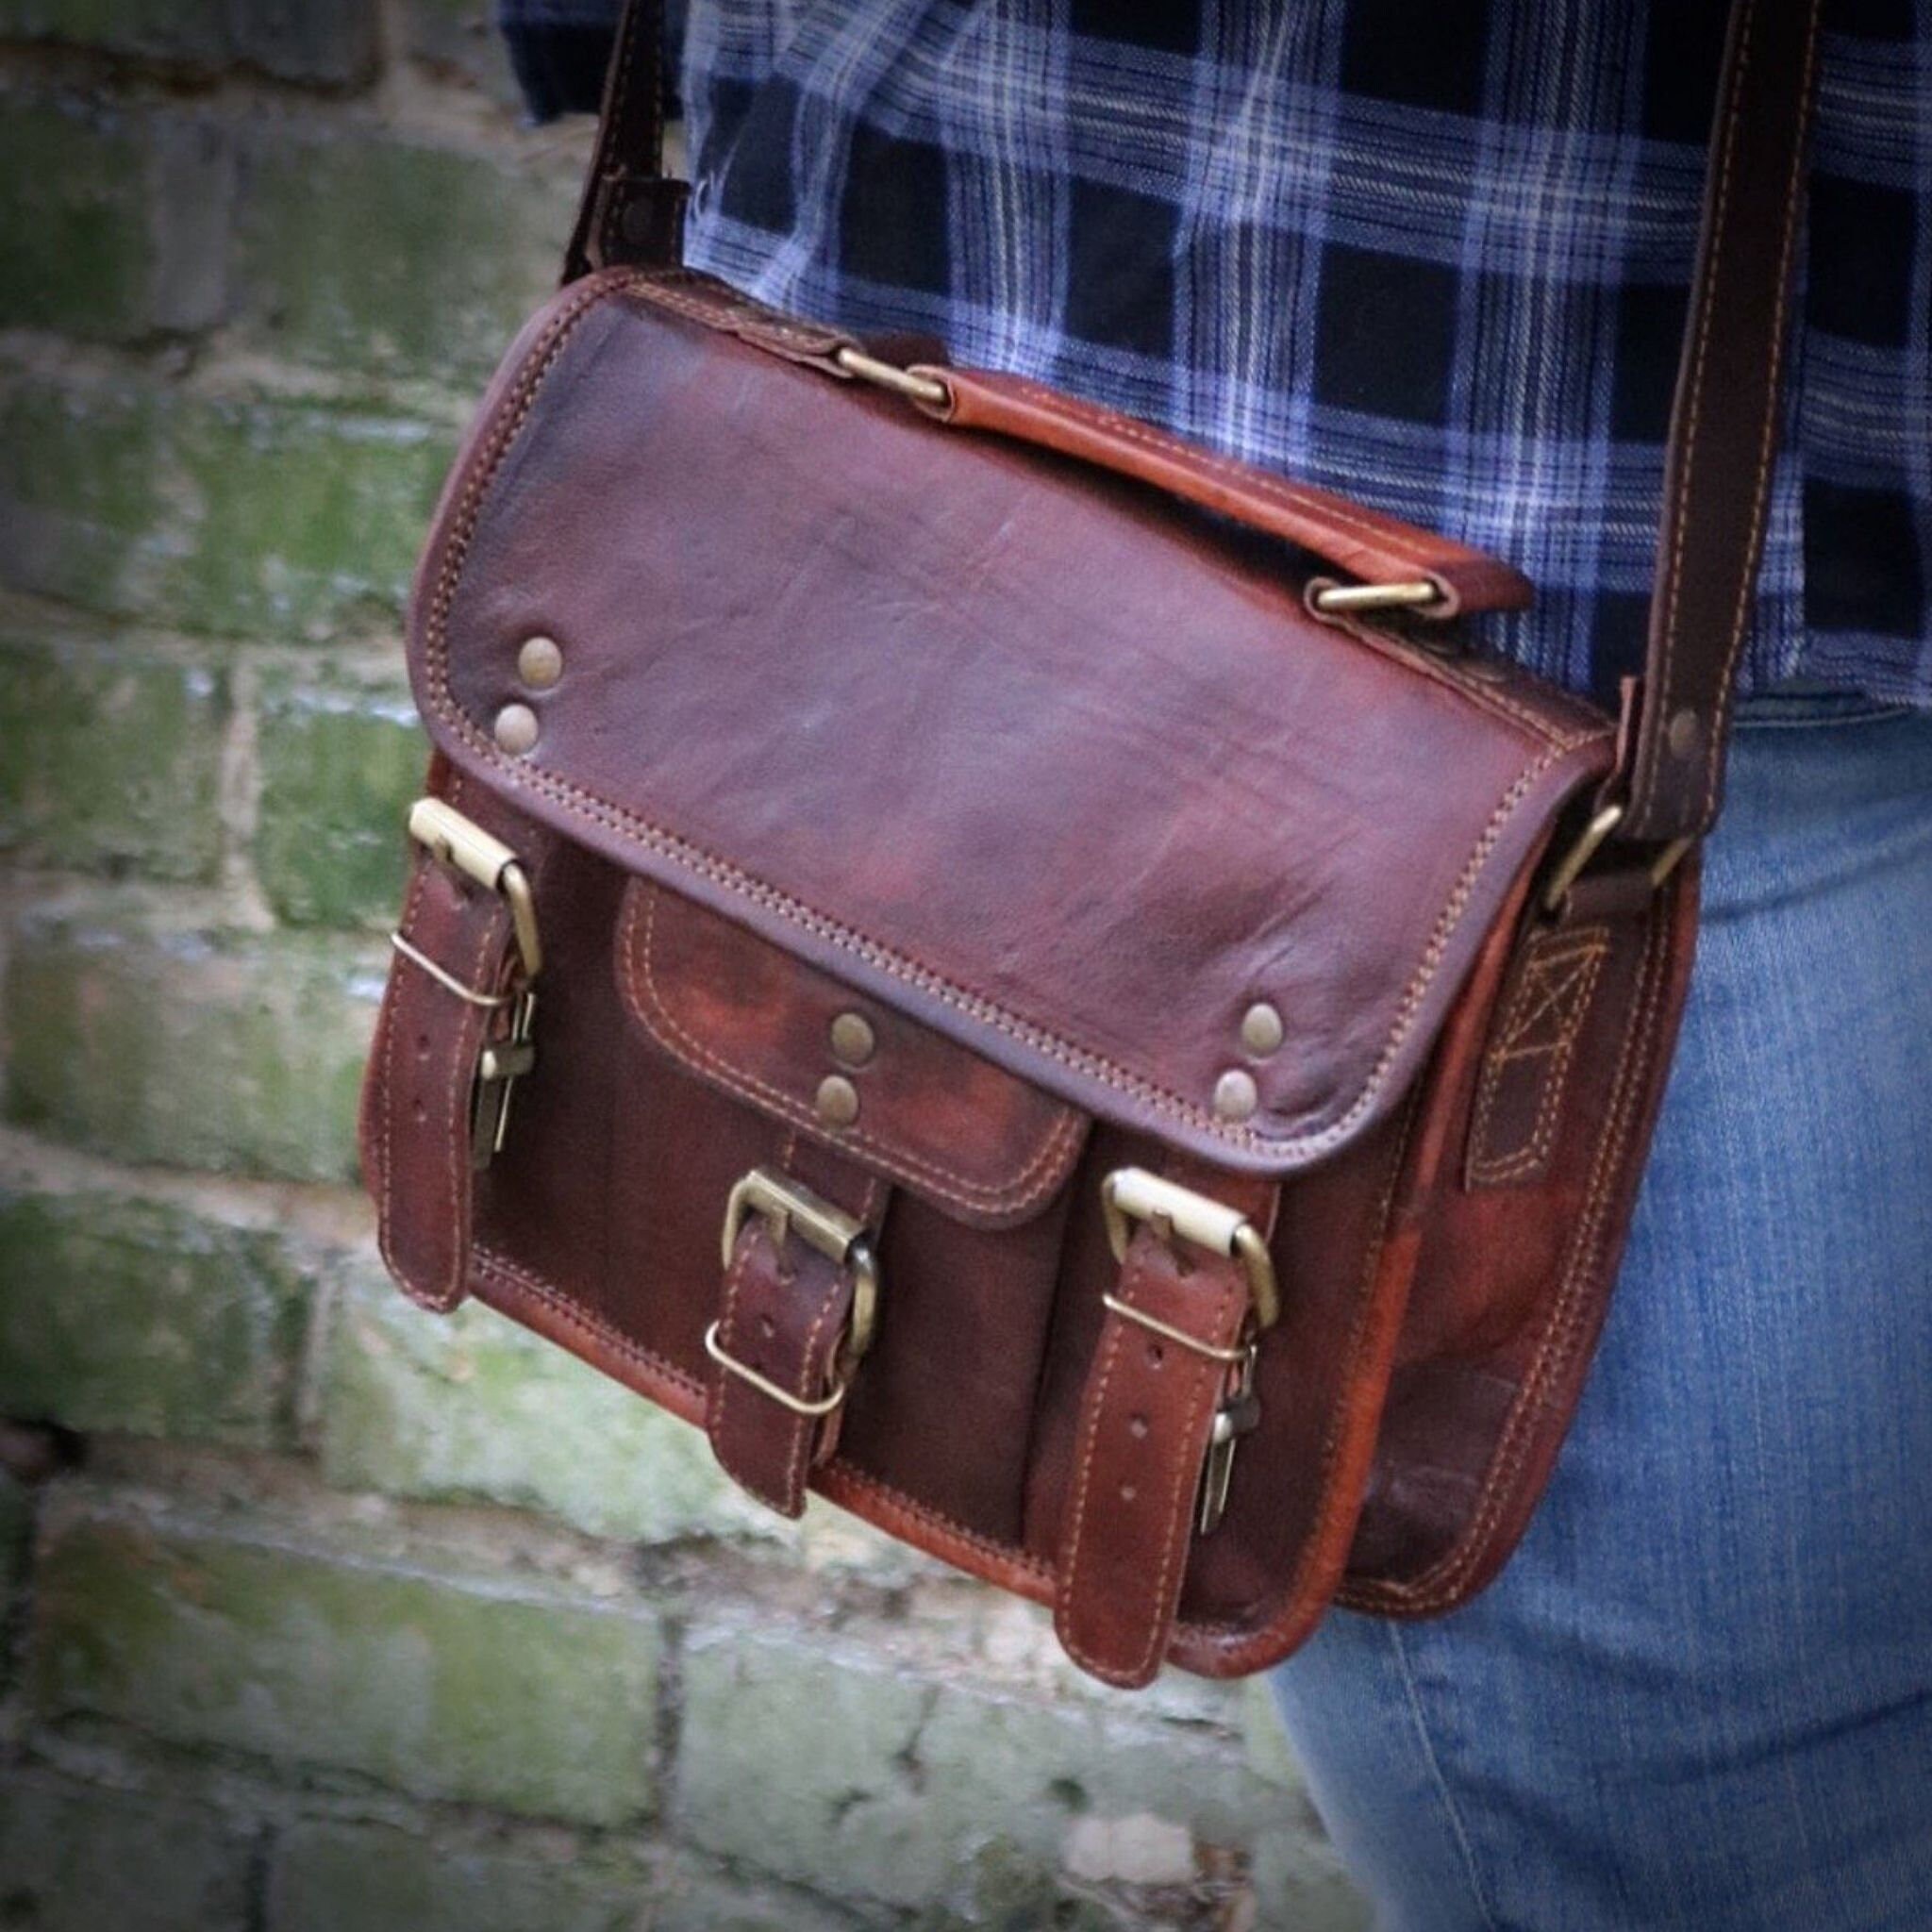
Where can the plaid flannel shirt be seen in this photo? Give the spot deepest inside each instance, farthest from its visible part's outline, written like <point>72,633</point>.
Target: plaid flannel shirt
<point>1434,257</point>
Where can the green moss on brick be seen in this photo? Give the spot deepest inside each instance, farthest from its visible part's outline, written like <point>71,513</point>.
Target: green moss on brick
<point>801,1761</point>
<point>145,1317</point>
<point>73,239</point>
<point>470,1406</point>
<point>115,758</point>
<point>490,1689</point>
<point>244,517</point>
<point>328,1878</point>
<point>295,520</point>
<point>80,493</point>
<point>74,1859</point>
<point>340,765</point>
<point>366,253</point>
<point>329,44</point>
<point>237,1052</point>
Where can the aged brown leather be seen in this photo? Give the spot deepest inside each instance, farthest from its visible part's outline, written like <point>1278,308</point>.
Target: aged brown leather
<point>943,815</point>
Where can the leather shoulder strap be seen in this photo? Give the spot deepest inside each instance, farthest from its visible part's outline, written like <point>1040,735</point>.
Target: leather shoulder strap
<point>1725,421</point>
<point>630,212</point>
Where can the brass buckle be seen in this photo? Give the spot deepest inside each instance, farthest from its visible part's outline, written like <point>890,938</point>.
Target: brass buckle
<point>1590,841</point>
<point>790,1209</point>
<point>465,848</point>
<point>1178,1214</point>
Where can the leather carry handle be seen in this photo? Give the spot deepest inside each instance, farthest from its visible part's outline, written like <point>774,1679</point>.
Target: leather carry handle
<point>1723,418</point>
<point>1379,550</point>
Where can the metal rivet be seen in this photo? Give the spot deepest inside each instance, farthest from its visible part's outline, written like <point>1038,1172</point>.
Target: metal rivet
<point>516,728</point>
<point>852,1039</point>
<point>838,1101</point>
<point>539,662</point>
<point>1261,1028</point>
<point>1686,734</point>
<point>1235,1096</point>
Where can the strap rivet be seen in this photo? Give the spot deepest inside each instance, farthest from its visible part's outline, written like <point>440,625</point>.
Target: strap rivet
<point>516,730</point>
<point>1685,734</point>
<point>539,662</point>
<point>852,1039</point>
<point>1261,1030</point>
<point>1235,1096</point>
<point>837,1102</point>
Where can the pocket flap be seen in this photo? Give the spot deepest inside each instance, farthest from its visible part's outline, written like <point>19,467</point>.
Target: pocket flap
<point>745,1016</point>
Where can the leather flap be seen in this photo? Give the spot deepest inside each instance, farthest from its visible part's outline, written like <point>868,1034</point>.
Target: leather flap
<point>746,1016</point>
<point>1034,755</point>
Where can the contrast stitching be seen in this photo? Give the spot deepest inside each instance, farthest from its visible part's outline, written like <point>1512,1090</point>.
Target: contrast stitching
<point>1543,994</point>
<point>1235,1637</point>
<point>1761,501</point>
<point>1437,1587</point>
<point>574,1315</point>
<point>848,1475</point>
<point>804,1427</point>
<point>1023,1191</point>
<point>1256,482</point>
<point>619,102</point>
<point>1652,740</point>
<point>1063,1613</point>
<point>724,1378</point>
<point>590,808</point>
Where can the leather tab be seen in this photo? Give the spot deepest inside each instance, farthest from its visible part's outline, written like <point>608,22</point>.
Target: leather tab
<point>784,1318</point>
<point>415,1127</point>
<point>1144,1428</point>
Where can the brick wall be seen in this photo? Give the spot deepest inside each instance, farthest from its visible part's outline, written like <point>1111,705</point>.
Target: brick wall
<point>342,1615</point>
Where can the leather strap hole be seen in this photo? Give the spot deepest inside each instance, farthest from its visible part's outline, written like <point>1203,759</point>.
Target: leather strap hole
<point>1128,1492</point>
<point>1137,1426</point>
<point>1155,1355</point>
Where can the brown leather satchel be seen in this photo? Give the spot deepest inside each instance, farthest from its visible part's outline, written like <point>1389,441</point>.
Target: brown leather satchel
<point>1023,974</point>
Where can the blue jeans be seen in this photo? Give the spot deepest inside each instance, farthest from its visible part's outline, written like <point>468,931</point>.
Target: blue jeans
<point>1700,1695</point>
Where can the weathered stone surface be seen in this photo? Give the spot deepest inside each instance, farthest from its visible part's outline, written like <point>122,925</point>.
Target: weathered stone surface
<point>330,1878</point>
<point>240,516</point>
<point>1299,1886</point>
<point>804,1761</point>
<point>340,764</point>
<point>293,519</point>
<point>80,493</point>
<point>76,1859</point>
<point>75,252</point>
<point>366,253</point>
<point>470,1404</point>
<point>113,757</point>
<point>16,1523</point>
<point>237,1052</point>
<point>139,1316</point>
<point>496,1688</point>
<point>328,43</point>
<point>459,38</point>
